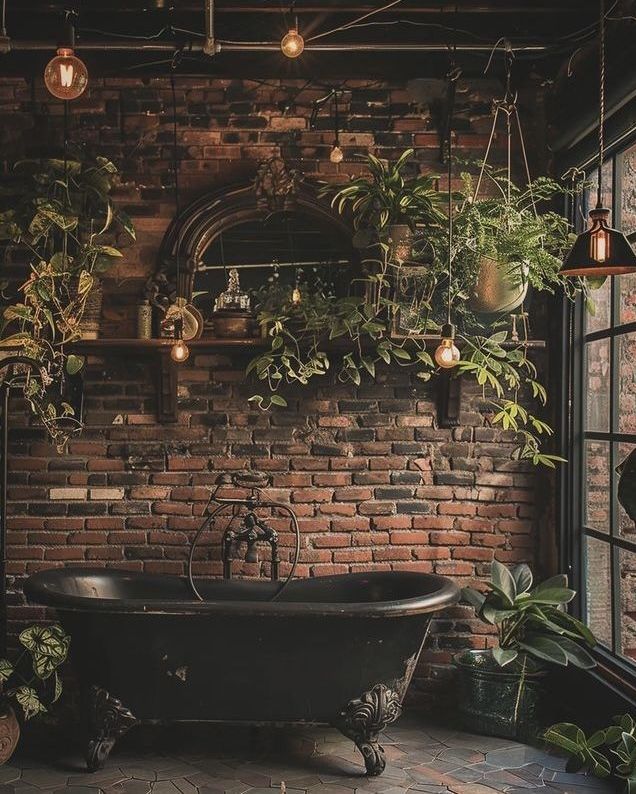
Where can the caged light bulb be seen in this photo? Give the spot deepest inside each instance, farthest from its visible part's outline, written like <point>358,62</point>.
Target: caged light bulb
<point>447,354</point>
<point>65,75</point>
<point>292,44</point>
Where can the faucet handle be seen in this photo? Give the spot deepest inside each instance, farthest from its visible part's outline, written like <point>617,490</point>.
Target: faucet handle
<point>250,479</point>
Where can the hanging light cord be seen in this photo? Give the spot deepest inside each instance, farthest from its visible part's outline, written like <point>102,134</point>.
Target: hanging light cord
<point>453,76</point>
<point>336,116</point>
<point>175,169</point>
<point>601,105</point>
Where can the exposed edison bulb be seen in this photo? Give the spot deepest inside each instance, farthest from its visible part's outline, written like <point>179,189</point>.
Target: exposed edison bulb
<point>447,354</point>
<point>296,295</point>
<point>336,155</point>
<point>65,75</point>
<point>292,44</point>
<point>179,352</point>
<point>600,244</point>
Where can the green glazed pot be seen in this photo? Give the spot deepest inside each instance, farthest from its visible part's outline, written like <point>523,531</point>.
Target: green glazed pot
<point>489,698</point>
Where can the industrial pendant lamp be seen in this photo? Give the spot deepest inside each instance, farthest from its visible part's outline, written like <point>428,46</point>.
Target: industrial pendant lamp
<point>600,250</point>
<point>65,75</point>
<point>292,44</point>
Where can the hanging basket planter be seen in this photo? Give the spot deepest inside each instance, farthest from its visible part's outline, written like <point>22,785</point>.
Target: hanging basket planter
<point>500,287</point>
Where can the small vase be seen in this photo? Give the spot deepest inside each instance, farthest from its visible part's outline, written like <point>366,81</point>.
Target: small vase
<point>91,319</point>
<point>9,733</point>
<point>500,288</point>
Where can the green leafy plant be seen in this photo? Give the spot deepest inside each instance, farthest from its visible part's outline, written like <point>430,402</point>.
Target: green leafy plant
<point>389,197</point>
<point>607,752</point>
<point>61,213</point>
<point>531,621</point>
<point>32,682</point>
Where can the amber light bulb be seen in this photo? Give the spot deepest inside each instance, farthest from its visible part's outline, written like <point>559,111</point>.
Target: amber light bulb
<point>447,354</point>
<point>336,155</point>
<point>65,75</point>
<point>292,44</point>
<point>296,295</point>
<point>179,351</point>
<point>600,243</point>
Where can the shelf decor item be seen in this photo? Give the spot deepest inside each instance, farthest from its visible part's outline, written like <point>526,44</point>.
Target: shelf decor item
<point>500,689</point>
<point>232,317</point>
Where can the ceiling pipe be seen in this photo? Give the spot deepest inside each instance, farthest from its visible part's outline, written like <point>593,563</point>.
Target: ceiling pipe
<point>209,44</point>
<point>219,46</point>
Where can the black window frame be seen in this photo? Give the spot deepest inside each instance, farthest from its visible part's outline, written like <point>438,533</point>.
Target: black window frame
<point>612,664</point>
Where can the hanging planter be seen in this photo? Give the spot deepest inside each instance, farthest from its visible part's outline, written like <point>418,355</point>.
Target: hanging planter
<point>500,287</point>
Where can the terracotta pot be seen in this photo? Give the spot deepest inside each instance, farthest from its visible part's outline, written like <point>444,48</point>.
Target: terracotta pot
<point>9,733</point>
<point>401,243</point>
<point>500,288</point>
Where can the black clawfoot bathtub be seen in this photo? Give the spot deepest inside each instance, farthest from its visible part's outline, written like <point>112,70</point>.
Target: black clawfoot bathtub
<point>338,649</point>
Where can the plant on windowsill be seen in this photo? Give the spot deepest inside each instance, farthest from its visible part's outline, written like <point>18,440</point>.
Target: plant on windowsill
<point>500,688</point>
<point>32,683</point>
<point>61,213</point>
<point>608,752</point>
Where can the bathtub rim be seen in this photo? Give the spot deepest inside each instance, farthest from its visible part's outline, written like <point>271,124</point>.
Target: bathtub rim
<point>37,592</point>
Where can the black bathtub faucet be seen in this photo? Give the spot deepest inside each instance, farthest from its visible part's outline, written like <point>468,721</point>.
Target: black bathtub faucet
<point>251,529</point>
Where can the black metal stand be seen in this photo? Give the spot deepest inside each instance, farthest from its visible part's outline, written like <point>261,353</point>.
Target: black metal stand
<point>108,720</point>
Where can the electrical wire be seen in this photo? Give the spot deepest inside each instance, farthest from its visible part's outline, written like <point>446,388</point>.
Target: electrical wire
<point>347,25</point>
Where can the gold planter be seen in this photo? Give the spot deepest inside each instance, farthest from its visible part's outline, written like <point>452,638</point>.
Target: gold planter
<point>500,287</point>
<point>400,243</point>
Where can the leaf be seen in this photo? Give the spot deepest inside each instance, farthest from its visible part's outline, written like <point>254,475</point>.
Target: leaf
<point>546,649</point>
<point>74,364</point>
<point>276,399</point>
<point>30,702</point>
<point>577,655</point>
<point>503,581</point>
<point>523,578</point>
<point>504,656</point>
<point>555,596</point>
<point>473,597</point>
<point>48,646</point>
<point>6,668</point>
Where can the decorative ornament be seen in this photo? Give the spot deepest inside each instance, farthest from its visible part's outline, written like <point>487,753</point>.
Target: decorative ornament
<point>233,298</point>
<point>66,76</point>
<point>600,250</point>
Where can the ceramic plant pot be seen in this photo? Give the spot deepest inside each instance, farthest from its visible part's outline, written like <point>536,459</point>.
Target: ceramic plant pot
<point>500,288</point>
<point>91,319</point>
<point>401,243</point>
<point>494,700</point>
<point>9,732</point>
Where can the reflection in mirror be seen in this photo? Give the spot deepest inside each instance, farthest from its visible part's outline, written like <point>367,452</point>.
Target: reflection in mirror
<point>282,250</point>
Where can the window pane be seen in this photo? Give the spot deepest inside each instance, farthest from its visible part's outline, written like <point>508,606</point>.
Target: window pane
<point>627,568</point>
<point>596,384</point>
<point>628,194</point>
<point>627,298</point>
<point>626,501</point>
<point>602,313</point>
<point>626,344</point>
<point>597,485</point>
<point>597,588</point>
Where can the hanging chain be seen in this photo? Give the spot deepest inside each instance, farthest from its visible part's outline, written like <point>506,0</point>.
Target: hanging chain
<point>175,167</point>
<point>601,114</point>
<point>453,75</point>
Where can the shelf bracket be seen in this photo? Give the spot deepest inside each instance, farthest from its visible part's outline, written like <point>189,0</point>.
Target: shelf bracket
<point>167,381</point>
<point>449,399</point>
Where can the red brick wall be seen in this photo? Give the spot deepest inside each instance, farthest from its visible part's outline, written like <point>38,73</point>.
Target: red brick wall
<point>374,482</point>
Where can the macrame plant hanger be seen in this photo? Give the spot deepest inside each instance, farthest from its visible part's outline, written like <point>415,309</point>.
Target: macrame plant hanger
<point>507,107</point>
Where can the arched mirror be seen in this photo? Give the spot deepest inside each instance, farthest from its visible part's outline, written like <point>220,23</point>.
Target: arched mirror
<point>274,233</point>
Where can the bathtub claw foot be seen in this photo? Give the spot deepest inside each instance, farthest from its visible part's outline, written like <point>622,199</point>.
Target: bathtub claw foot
<point>365,718</point>
<point>108,720</point>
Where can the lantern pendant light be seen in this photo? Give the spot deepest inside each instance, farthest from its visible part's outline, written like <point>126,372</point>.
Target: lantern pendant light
<point>65,75</point>
<point>336,155</point>
<point>600,250</point>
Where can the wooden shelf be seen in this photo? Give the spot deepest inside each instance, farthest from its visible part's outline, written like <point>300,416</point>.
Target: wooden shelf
<point>448,393</point>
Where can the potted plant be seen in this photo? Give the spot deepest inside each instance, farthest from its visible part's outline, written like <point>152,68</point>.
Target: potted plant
<point>31,682</point>
<point>506,244</point>
<point>500,688</point>
<point>389,206</point>
<point>608,752</point>
<point>61,213</point>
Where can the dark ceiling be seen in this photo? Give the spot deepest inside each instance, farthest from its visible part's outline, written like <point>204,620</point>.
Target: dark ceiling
<point>140,35</point>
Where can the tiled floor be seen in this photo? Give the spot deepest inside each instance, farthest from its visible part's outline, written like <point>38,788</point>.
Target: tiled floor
<point>421,757</point>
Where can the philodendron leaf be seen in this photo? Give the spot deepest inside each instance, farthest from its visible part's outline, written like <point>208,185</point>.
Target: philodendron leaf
<point>546,649</point>
<point>74,364</point>
<point>503,582</point>
<point>48,646</point>
<point>567,736</point>
<point>504,656</point>
<point>30,702</point>
<point>577,655</point>
<point>6,668</point>
<point>554,596</point>
<point>473,597</point>
<point>523,578</point>
<point>560,580</point>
